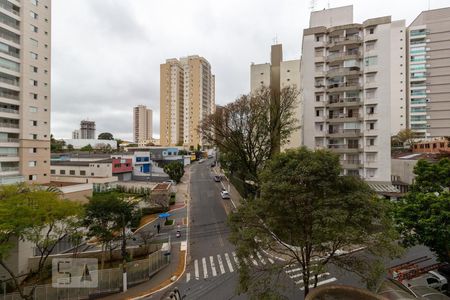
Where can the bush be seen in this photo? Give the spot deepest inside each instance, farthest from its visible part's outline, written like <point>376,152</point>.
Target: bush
<point>172,198</point>
<point>169,222</point>
<point>136,219</point>
<point>154,210</point>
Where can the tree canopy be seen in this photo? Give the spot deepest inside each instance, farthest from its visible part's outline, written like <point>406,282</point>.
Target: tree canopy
<point>175,170</point>
<point>307,212</point>
<point>249,130</point>
<point>105,136</point>
<point>423,214</point>
<point>87,148</point>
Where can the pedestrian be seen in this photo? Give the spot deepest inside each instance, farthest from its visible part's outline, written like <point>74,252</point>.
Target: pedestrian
<point>158,228</point>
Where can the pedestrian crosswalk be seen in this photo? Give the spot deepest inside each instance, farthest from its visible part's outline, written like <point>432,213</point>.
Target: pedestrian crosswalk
<point>220,264</point>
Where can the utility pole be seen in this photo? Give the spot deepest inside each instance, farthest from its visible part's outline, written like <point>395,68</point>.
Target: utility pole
<point>124,256</point>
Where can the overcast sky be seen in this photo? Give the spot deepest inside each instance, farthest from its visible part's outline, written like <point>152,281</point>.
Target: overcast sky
<point>106,53</point>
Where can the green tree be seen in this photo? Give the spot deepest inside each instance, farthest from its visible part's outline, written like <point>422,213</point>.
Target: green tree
<point>87,148</point>
<point>245,134</point>
<point>34,215</point>
<point>70,147</point>
<point>307,211</point>
<point>175,170</point>
<point>107,215</point>
<point>105,136</point>
<point>56,145</point>
<point>423,214</point>
<point>405,137</point>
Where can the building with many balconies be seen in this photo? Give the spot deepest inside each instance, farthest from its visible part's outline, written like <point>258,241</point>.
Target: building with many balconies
<point>353,95</point>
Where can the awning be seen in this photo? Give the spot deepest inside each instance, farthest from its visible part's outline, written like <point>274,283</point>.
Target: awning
<point>382,187</point>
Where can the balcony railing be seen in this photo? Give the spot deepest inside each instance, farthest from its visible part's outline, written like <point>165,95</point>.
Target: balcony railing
<point>9,125</point>
<point>344,131</point>
<point>343,146</point>
<point>344,84</point>
<point>342,71</point>
<point>9,36</point>
<point>9,8</point>
<point>9,95</point>
<point>9,154</point>
<point>341,55</point>
<point>9,169</point>
<point>340,116</point>
<point>9,110</point>
<point>9,81</point>
<point>345,100</point>
<point>350,38</point>
<point>350,161</point>
<point>9,140</point>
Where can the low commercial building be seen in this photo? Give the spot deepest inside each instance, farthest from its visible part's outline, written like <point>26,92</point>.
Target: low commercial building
<point>436,145</point>
<point>100,171</point>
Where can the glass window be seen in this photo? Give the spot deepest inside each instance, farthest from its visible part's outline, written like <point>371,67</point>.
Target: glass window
<point>33,109</point>
<point>52,171</point>
<point>370,61</point>
<point>34,2</point>
<point>72,172</point>
<point>62,172</point>
<point>34,55</point>
<point>33,28</point>
<point>32,163</point>
<point>10,65</point>
<point>34,42</point>
<point>82,173</point>
<point>33,15</point>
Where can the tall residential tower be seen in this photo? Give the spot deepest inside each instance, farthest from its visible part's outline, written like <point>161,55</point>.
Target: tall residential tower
<point>353,78</point>
<point>429,74</point>
<point>25,56</point>
<point>142,124</point>
<point>187,89</point>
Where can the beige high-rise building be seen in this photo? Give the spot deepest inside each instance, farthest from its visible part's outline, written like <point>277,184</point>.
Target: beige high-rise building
<point>353,89</point>
<point>279,74</point>
<point>142,124</point>
<point>429,73</point>
<point>187,90</point>
<point>25,56</point>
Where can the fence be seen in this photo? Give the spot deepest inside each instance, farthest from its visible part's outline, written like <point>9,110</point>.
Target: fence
<point>109,280</point>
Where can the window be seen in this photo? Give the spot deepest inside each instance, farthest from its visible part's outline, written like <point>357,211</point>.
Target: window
<point>52,171</point>
<point>62,172</point>
<point>82,173</point>
<point>371,126</point>
<point>33,69</point>
<point>33,96</point>
<point>371,30</point>
<point>72,172</point>
<point>371,142</point>
<point>318,98</point>
<point>34,55</point>
<point>32,163</point>
<point>33,28</point>
<point>33,82</point>
<point>32,150</point>
<point>370,46</point>
<point>370,110</point>
<point>33,123</point>
<point>33,136</point>
<point>34,42</point>
<point>32,177</point>
<point>10,65</point>
<point>34,2</point>
<point>33,15</point>
<point>370,61</point>
<point>33,109</point>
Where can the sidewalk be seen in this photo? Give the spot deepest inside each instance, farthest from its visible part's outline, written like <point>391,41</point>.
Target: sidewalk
<point>177,265</point>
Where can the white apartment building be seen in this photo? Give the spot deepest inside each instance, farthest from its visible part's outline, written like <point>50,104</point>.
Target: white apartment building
<point>353,95</point>
<point>428,43</point>
<point>187,89</point>
<point>25,30</point>
<point>279,74</point>
<point>142,124</point>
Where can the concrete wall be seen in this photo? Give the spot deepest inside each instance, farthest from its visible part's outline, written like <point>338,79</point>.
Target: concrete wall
<point>403,169</point>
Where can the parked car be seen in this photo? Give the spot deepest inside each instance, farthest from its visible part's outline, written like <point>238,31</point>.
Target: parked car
<point>213,164</point>
<point>172,182</point>
<point>431,279</point>
<point>217,178</point>
<point>225,194</point>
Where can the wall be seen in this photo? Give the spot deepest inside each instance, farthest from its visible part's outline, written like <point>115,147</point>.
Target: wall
<point>403,169</point>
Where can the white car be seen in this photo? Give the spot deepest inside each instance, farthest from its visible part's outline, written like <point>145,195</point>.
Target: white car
<point>225,195</point>
<point>172,182</point>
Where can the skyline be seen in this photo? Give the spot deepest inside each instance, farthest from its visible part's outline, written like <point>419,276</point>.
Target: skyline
<point>133,39</point>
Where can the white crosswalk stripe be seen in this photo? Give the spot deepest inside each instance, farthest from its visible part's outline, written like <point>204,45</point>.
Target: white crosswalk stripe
<point>293,270</point>
<point>321,282</point>
<point>213,267</point>
<point>188,277</point>
<point>196,269</point>
<point>270,260</point>
<point>235,258</point>
<point>318,276</point>
<point>253,260</point>
<point>261,258</point>
<point>230,266</point>
<point>295,273</point>
<point>222,268</point>
<point>205,270</point>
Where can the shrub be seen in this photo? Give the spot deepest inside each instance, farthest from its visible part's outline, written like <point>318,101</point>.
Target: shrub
<point>154,210</point>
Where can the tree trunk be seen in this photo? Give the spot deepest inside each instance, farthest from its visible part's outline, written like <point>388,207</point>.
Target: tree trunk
<point>14,278</point>
<point>103,256</point>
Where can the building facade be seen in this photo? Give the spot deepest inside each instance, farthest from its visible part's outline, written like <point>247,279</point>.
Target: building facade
<point>76,134</point>
<point>25,56</point>
<point>276,75</point>
<point>87,130</point>
<point>142,124</point>
<point>429,74</point>
<point>187,89</point>
<point>353,95</point>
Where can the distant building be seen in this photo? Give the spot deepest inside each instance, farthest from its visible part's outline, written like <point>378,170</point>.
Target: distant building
<point>428,46</point>
<point>142,124</point>
<point>80,143</point>
<point>76,134</point>
<point>187,89</point>
<point>436,145</point>
<point>87,130</point>
<point>100,171</point>
<point>276,75</point>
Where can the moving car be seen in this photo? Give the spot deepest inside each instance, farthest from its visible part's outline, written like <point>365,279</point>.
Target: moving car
<point>225,194</point>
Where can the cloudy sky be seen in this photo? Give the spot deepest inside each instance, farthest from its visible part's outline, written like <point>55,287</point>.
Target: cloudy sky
<point>106,53</point>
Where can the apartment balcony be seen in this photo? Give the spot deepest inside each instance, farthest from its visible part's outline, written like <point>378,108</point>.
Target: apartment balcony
<point>347,40</point>
<point>11,179</point>
<point>344,86</point>
<point>344,133</point>
<point>371,84</point>
<point>343,56</point>
<point>344,71</point>
<point>343,148</point>
<point>319,87</point>
<point>351,163</point>
<point>372,116</point>
<point>341,102</point>
<point>341,118</point>
<point>9,142</point>
<point>373,132</point>
<point>319,58</point>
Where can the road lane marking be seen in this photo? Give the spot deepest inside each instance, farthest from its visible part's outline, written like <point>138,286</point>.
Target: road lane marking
<point>293,270</point>
<point>261,258</point>
<point>222,269</point>
<point>230,266</point>
<point>235,258</point>
<point>270,260</point>
<point>196,269</point>
<point>205,270</point>
<point>318,276</point>
<point>188,277</point>
<point>213,267</point>
<point>321,283</point>
<point>253,260</point>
